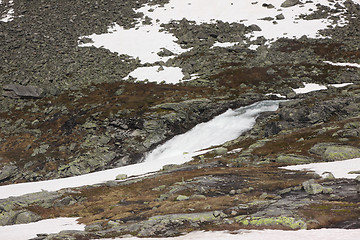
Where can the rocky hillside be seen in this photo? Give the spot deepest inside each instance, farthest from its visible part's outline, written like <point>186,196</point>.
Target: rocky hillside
<point>68,110</point>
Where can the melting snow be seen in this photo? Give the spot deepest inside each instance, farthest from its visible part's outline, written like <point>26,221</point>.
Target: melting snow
<point>340,169</point>
<point>27,231</point>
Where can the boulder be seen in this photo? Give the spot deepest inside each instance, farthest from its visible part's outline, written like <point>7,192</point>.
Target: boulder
<point>290,3</point>
<point>334,152</point>
<point>311,187</point>
<point>26,217</point>
<point>19,91</point>
<point>121,177</point>
<point>293,159</point>
<point>7,172</point>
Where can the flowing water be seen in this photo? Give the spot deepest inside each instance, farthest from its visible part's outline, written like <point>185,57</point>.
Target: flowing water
<point>177,150</point>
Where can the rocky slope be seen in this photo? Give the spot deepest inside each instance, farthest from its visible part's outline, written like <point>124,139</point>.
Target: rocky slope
<point>80,116</point>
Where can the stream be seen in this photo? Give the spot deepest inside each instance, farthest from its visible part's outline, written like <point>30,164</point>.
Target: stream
<point>178,150</point>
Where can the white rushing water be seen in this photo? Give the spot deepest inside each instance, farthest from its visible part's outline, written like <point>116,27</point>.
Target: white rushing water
<point>222,128</point>
<point>225,127</point>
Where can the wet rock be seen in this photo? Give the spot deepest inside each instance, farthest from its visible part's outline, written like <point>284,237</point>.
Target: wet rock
<point>19,91</point>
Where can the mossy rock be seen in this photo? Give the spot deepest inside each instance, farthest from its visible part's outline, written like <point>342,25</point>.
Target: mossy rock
<point>288,222</point>
<point>293,159</point>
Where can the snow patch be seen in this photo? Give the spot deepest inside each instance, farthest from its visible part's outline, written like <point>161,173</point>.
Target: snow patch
<point>143,42</point>
<point>275,94</point>
<point>339,169</point>
<point>309,87</point>
<point>157,74</point>
<point>355,65</point>
<point>340,85</point>
<point>315,234</point>
<point>27,231</point>
<point>224,44</point>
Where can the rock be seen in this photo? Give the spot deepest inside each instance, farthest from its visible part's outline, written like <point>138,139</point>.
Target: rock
<point>40,150</point>
<point>27,217</point>
<point>290,3</point>
<point>219,214</point>
<point>280,16</point>
<point>121,177</point>
<point>335,153</point>
<point>232,192</point>
<point>182,198</point>
<point>311,187</point>
<point>254,27</point>
<point>327,190</point>
<point>165,53</point>
<point>93,227</point>
<point>198,197</point>
<point>272,221</point>
<point>357,178</point>
<point>293,159</point>
<point>7,172</point>
<point>220,151</point>
<point>354,172</point>
<point>19,91</point>
<point>267,5</point>
<point>328,176</point>
<point>169,167</point>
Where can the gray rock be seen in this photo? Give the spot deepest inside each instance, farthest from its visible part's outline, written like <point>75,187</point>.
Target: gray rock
<point>328,176</point>
<point>357,178</point>
<point>27,217</point>
<point>311,187</point>
<point>19,91</point>
<point>293,159</point>
<point>333,152</point>
<point>165,53</point>
<point>7,172</point>
<point>121,177</point>
<point>220,151</point>
<point>290,3</point>
<point>280,16</point>
<point>254,27</point>
<point>182,198</point>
